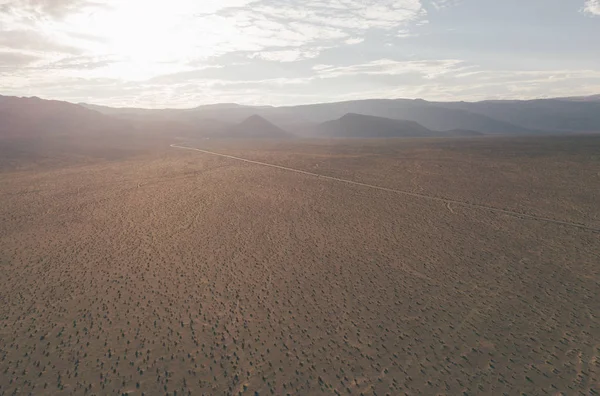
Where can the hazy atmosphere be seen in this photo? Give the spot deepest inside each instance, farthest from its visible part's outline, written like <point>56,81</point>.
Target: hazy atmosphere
<point>285,197</point>
<point>183,53</point>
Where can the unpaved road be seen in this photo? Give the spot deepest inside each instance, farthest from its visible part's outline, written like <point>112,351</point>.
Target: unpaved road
<point>522,216</point>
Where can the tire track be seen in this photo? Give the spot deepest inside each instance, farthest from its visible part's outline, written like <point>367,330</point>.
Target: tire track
<point>522,216</point>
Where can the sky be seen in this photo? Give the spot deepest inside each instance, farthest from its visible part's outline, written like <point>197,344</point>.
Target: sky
<point>184,53</point>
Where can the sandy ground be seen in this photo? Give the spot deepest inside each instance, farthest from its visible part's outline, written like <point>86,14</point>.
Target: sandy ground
<point>178,272</point>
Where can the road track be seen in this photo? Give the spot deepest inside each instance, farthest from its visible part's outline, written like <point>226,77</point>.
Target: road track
<point>522,216</point>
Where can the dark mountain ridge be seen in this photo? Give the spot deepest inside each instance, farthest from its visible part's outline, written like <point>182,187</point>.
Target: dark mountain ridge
<point>29,117</point>
<point>255,127</point>
<point>498,117</point>
<point>552,115</point>
<point>354,125</point>
<point>434,116</point>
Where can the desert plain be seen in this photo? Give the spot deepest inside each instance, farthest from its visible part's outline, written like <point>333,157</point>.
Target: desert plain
<point>164,271</point>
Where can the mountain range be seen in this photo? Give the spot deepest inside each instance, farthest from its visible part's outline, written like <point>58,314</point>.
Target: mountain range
<point>26,117</point>
<point>354,125</point>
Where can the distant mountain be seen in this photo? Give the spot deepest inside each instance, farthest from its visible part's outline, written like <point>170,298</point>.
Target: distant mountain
<point>550,115</point>
<point>177,122</point>
<point>462,132</point>
<point>227,106</point>
<point>121,110</point>
<point>499,117</point>
<point>591,98</point>
<point>46,132</point>
<point>31,117</point>
<point>136,113</point>
<point>358,125</point>
<point>255,126</point>
<point>432,116</point>
<point>425,113</point>
<point>219,106</point>
<point>111,110</point>
<point>354,125</point>
<point>204,111</point>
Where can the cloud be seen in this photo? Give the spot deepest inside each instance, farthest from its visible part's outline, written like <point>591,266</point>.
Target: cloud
<point>182,29</point>
<point>592,7</point>
<point>339,14</point>
<point>430,79</point>
<point>428,69</point>
<point>8,58</point>
<point>186,52</point>
<point>39,8</point>
<point>287,55</point>
<point>137,40</point>
<point>79,63</point>
<point>34,41</point>
<point>354,40</point>
<point>441,4</point>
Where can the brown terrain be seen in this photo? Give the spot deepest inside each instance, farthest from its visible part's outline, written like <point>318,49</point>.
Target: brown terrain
<point>139,268</point>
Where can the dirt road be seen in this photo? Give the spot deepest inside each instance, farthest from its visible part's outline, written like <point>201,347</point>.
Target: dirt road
<point>446,201</point>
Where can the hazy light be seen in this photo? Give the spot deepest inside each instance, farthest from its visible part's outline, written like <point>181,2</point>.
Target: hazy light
<point>148,38</point>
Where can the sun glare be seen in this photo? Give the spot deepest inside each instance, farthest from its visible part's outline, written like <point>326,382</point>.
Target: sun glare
<point>148,38</point>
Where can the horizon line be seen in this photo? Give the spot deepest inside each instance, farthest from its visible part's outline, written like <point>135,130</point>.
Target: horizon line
<point>304,104</point>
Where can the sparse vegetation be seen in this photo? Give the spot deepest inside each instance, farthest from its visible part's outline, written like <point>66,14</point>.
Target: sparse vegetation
<point>180,273</point>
